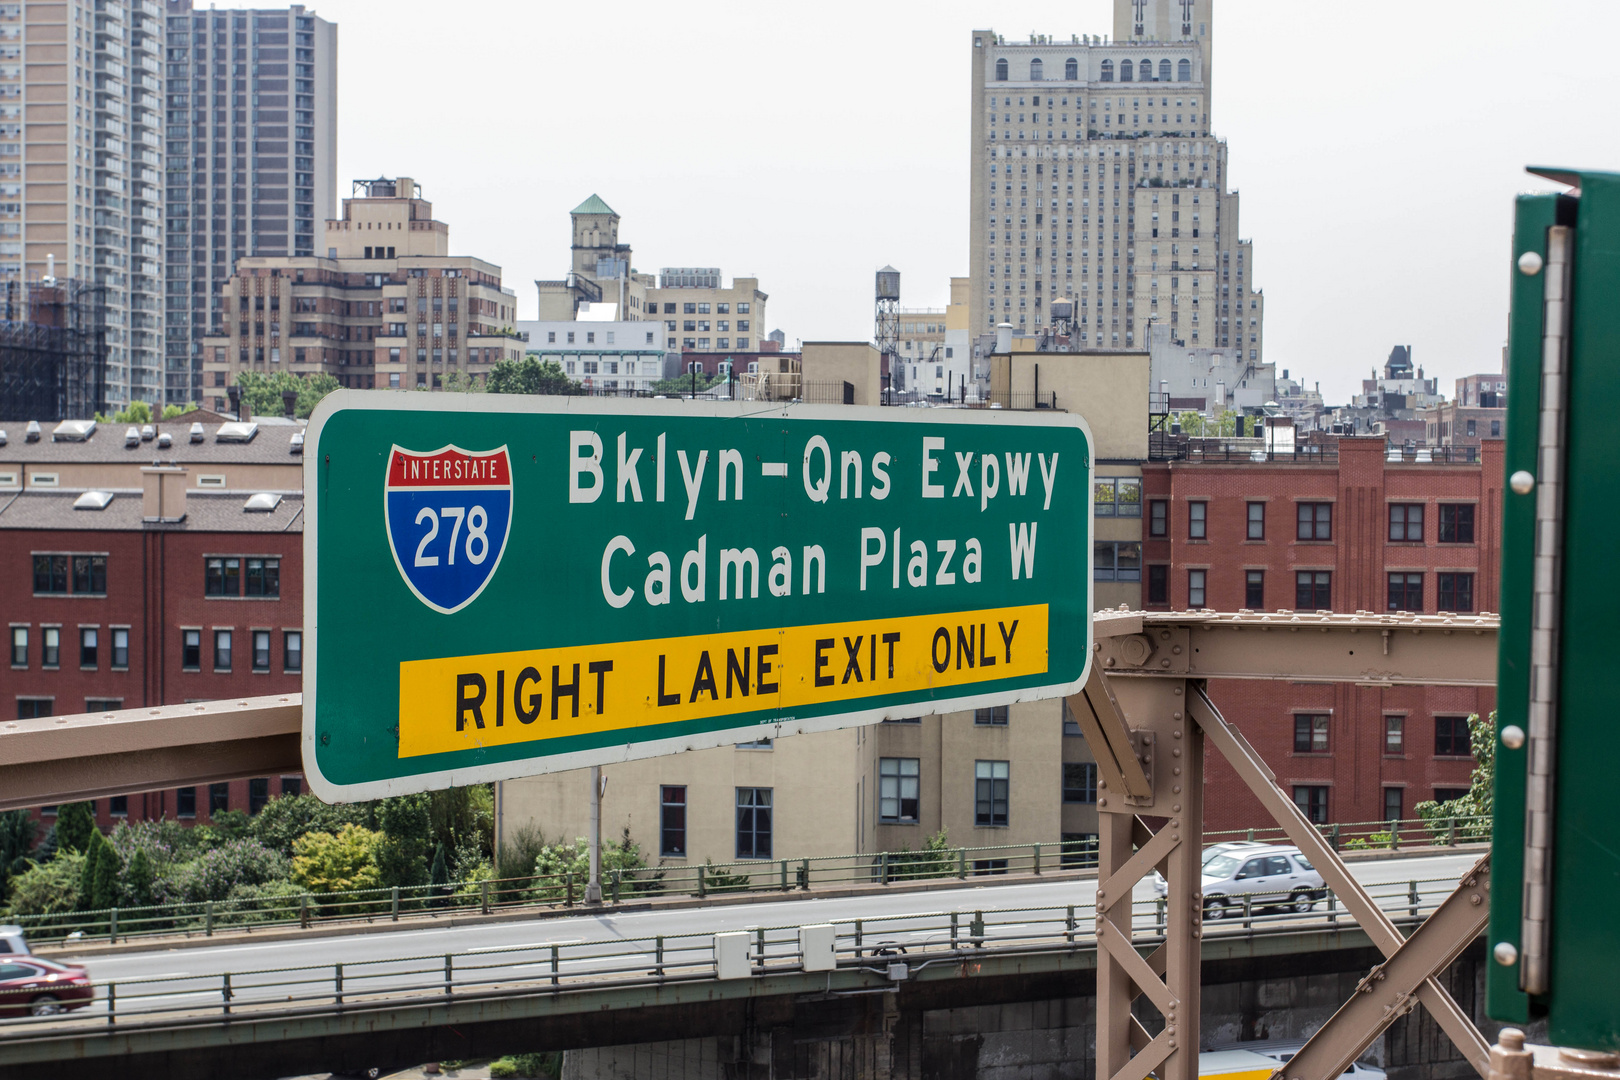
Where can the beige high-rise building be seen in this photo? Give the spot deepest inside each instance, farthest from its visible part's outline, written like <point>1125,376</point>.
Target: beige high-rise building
<point>1096,178</point>
<point>388,306</point>
<point>81,161</point>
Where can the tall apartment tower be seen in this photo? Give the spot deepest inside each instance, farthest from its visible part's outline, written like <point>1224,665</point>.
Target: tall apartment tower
<point>84,108</point>
<point>1095,178</point>
<point>251,142</point>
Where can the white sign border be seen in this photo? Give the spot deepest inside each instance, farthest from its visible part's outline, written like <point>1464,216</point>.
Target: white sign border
<point>404,400</point>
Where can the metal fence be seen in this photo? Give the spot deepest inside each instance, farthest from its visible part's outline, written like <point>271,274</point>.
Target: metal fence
<point>916,940</point>
<point>639,886</point>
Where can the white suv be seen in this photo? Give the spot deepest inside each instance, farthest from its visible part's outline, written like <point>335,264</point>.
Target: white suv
<point>12,940</point>
<point>1225,847</point>
<point>1273,876</point>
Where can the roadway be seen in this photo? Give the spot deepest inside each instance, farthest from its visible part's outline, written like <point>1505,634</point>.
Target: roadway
<point>375,962</point>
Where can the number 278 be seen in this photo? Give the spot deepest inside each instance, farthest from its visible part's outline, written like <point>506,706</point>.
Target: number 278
<point>477,533</point>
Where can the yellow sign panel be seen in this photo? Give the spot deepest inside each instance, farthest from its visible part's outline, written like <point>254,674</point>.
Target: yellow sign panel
<point>468,702</point>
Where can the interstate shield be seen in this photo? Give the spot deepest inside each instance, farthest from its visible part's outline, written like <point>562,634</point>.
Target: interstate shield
<point>448,513</point>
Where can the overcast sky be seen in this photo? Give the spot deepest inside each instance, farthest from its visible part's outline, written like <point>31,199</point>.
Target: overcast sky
<point>1377,144</point>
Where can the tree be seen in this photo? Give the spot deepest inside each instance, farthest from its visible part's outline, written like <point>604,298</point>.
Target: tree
<point>17,831</point>
<point>48,888</point>
<point>261,391</point>
<point>459,382</point>
<point>529,376</point>
<point>138,877</point>
<point>438,876</point>
<point>684,384</point>
<point>171,412</point>
<point>285,819</point>
<point>345,862</point>
<point>1475,806</point>
<point>464,815</point>
<point>407,825</point>
<point>98,884</point>
<point>74,824</point>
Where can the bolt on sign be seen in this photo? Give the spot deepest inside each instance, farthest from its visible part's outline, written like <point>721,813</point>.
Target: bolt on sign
<point>502,586</point>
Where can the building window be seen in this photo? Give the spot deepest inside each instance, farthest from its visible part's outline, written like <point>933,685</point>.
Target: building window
<point>1257,521</point>
<point>89,636</point>
<point>1315,521</point>
<point>1451,737</point>
<point>1312,801</point>
<point>1159,584</point>
<point>1001,70</point>
<point>1310,733</point>
<point>1392,803</point>
<point>33,708</point>
<point>258,793</point>
<point>191,649</point>
<point>995,716</point>
<point>1394,734</point>
<point>261,650</point>
<point>1448,794</point>
<point>185,802</point>
<point>19,646</point>
<point>51,649</point>
<point>90,574</point>
<point>1116,560</point>
<point>672,821</point>
<point>292,785</point>
<point>1079,781</point>
<point>1195,588</point>
<point>1313,590</point>
<point>219,798</point>
<point>222,577</point>
<point>264,577</point>
<point>1456,592</point>
<point>1405,522</point>
<point>292,651</point>
<point>51,574</point>
<point>1079,849</point>
<point>753,823</point>
<point>1117,497</point>
<point>1405,592</point>
<point>120,648</point>
<point>1456,523</point>
<point>118,806</point>
<point>222,650</point>
<point>990,794</point>
<point>1254,590</point>
<point>1158,518</point>
<point>1197,523</point>
<point>898,785</point>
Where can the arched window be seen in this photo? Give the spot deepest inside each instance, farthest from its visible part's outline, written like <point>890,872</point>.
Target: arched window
<point>1001,70</point>
<point>1035,68</point>
<point>1107,71</point>
<point>1124,71</point>
<point>1071,69</point>
<point>1184,71</point>
<point>1164,71</point>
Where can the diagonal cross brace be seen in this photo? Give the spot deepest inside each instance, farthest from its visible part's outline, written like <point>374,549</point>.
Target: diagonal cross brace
<point>1371,918</point>
<point>1109,737</point>
<point>1380,998</point>
<point>1122,881</point>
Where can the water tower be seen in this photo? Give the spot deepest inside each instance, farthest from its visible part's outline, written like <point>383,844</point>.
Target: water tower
<point>887,323</point>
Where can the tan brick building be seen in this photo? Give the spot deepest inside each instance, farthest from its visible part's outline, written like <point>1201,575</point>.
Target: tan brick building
<point>388,306</point>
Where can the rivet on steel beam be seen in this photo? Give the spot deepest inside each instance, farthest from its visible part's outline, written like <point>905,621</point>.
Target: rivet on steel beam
<point>1513,736</point>
<point>1165,662</point>
<point>1176,808</point>
<point>1177,770</point>
<point>1176,716</point>
<point>1505,953</point>
<point>1102,802</point>
<point>1176,691</point>
<point>1521,482</point>
<point>1177,732</point>
<point>1177,789</point>
<point>1530,264</point>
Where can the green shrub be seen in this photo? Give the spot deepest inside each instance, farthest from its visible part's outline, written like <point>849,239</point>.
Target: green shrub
<point>48,888</point>
<point>530,1065</point>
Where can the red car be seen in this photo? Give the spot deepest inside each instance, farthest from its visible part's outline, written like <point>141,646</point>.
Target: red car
<point>30,986</point>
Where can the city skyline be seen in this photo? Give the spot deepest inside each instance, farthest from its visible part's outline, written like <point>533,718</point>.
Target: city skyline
<point>798,170</point>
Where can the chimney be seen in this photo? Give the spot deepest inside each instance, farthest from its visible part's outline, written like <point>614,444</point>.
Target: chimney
<point>163,494</point>
<point>1004,333</point>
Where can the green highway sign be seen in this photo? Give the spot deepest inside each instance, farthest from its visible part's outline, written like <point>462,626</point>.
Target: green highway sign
<point>498,586</point>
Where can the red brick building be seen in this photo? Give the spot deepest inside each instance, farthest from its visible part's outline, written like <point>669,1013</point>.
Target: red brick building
<point>117,599</point>
<point>1346,530</point>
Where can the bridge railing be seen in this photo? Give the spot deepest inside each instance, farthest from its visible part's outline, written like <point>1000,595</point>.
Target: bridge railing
<point>638,886</point>
<point>915,940</point>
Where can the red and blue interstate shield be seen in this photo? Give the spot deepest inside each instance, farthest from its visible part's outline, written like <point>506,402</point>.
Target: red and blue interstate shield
<point>448,512</point>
